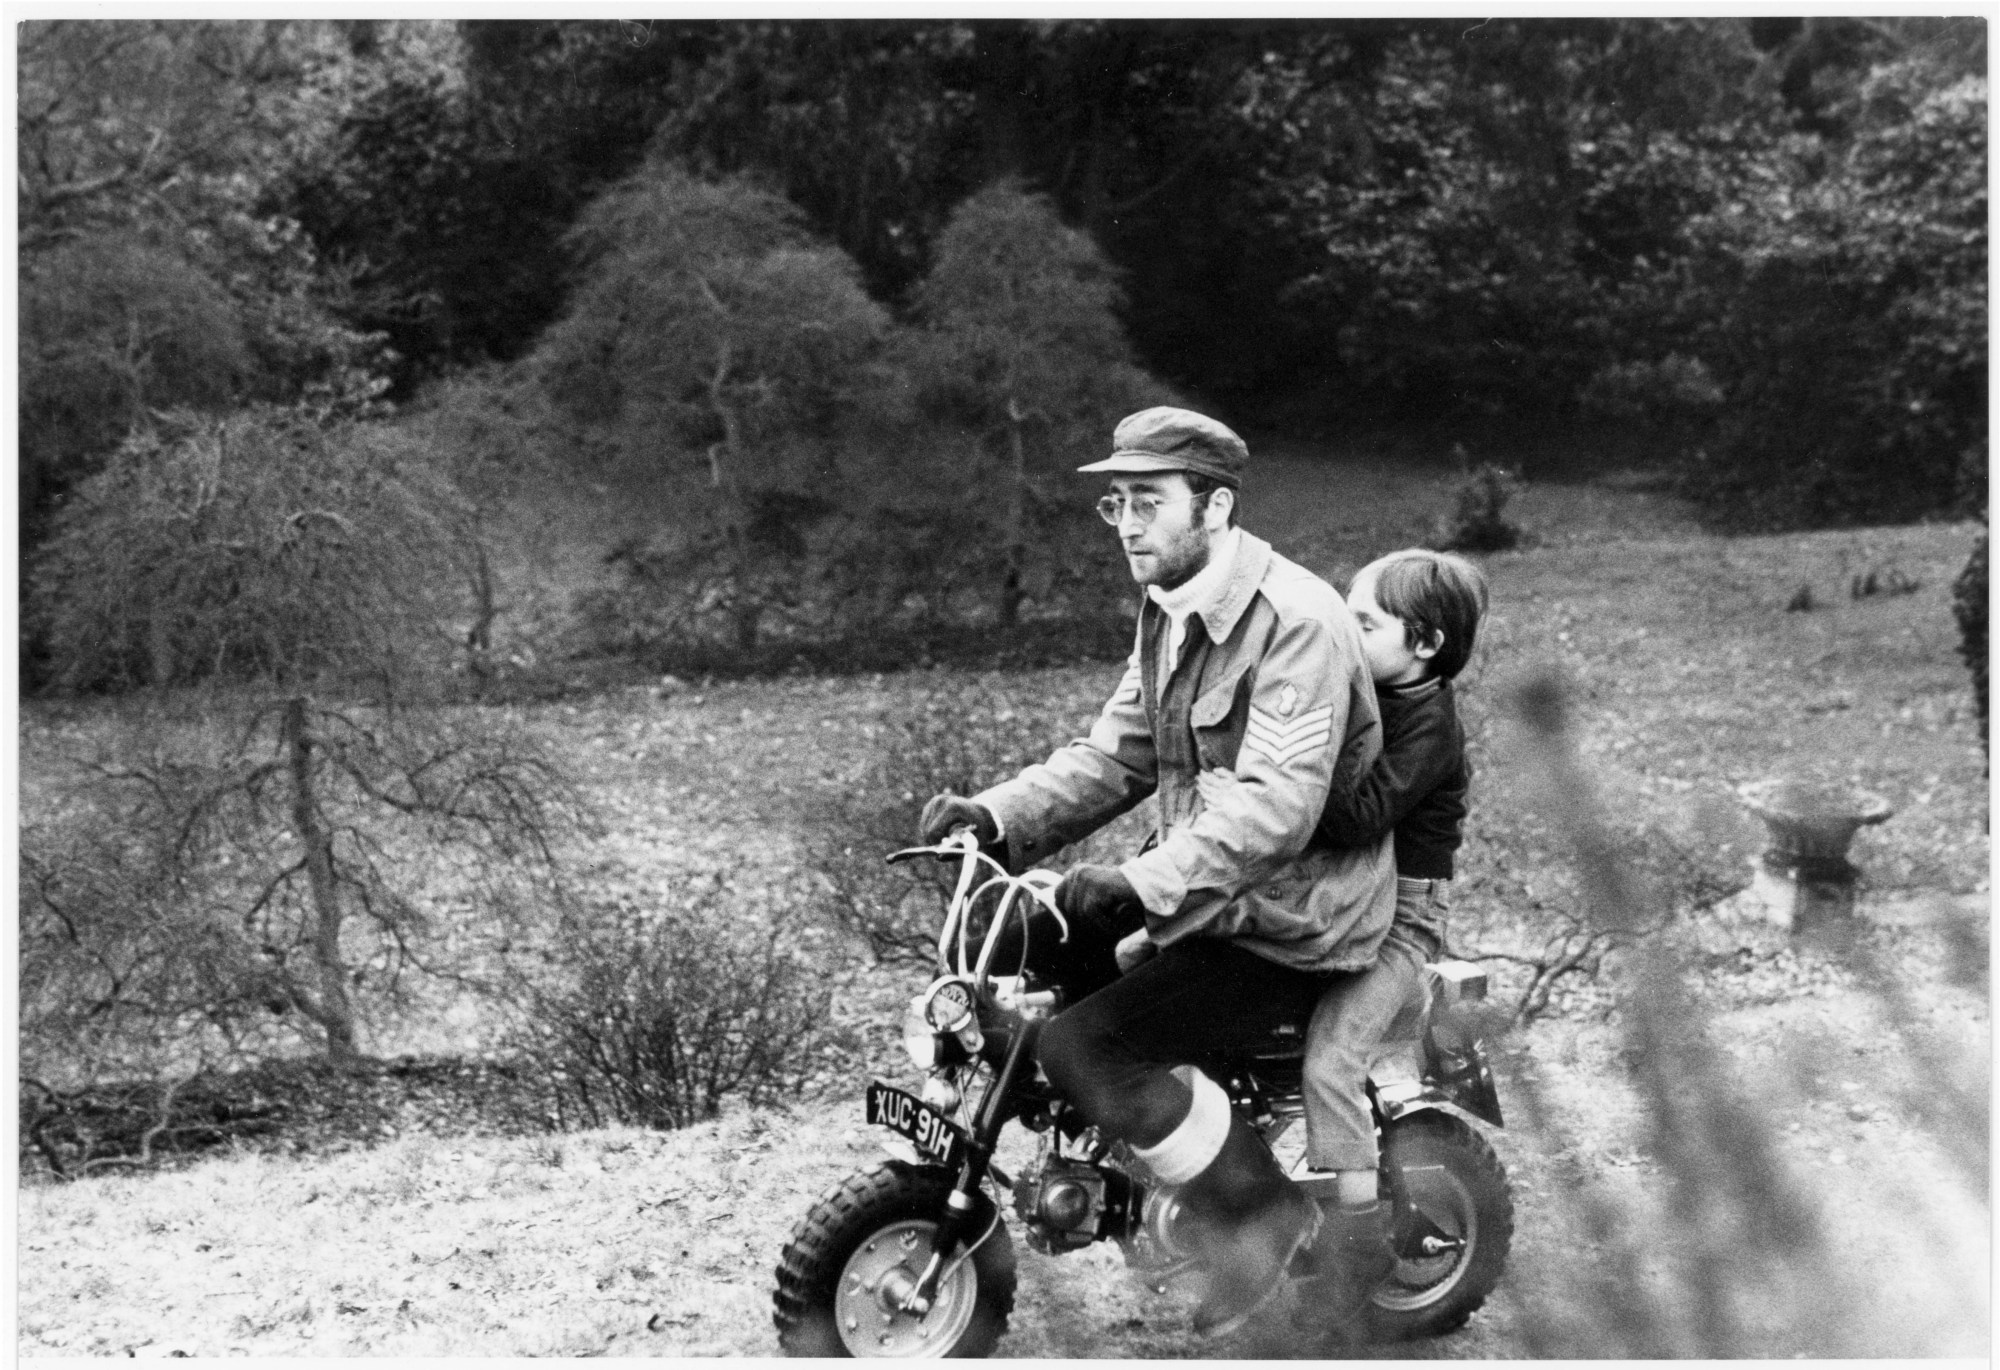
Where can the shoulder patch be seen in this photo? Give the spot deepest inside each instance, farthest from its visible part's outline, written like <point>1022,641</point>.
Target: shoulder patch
<point>1283,740</point>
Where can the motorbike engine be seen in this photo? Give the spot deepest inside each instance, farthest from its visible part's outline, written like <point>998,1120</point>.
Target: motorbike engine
<point>1065,1204</point>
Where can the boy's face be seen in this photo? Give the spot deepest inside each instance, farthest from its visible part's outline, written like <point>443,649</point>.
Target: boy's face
<point>1386,639</point>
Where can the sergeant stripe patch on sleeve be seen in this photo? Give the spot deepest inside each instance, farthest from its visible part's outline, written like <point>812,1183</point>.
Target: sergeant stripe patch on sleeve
<point>1284,740</point>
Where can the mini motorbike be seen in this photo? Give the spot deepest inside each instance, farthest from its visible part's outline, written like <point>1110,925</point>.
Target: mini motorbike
<point>912,1256</point>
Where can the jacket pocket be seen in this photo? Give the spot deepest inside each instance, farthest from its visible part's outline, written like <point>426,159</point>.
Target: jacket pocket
<point>1338,904</point>
<point>1217,722</point>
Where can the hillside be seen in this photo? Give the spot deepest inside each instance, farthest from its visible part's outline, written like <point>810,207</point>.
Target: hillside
<point>1691,678</point>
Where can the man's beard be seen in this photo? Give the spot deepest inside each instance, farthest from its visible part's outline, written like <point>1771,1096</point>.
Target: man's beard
<point>1183,559</point>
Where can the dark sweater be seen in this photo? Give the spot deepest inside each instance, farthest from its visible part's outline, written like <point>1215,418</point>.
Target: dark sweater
<point>1416,788</point>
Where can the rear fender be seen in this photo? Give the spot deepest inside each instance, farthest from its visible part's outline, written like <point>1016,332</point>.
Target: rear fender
<point>1470,1087</point>
<point>1396,1099</point>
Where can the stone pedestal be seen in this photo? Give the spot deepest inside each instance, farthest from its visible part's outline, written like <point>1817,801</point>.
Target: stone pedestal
<point>1804,881</point>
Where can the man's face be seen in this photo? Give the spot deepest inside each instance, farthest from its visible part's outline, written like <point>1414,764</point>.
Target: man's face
<point>1170,550</point>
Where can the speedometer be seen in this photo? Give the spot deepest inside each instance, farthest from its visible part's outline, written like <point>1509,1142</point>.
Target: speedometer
<point>950,1005</point>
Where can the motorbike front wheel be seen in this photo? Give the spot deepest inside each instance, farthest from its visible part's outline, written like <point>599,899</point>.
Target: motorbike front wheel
<point>1453,1233</point>
<point>858,1252</point>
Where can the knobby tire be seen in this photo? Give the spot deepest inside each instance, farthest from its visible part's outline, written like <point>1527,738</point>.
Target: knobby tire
<point>810,1266</point>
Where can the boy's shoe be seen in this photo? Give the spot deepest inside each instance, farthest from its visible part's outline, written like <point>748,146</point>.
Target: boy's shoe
<point>1351,1257</point>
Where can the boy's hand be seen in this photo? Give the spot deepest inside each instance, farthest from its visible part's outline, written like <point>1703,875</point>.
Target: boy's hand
<point>1135,950</point>
<point>1213,784</point>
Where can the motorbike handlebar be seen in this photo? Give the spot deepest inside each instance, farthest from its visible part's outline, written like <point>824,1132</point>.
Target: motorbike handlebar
<point>957,843</point>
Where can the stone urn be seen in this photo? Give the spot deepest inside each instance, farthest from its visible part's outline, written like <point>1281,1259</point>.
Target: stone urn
<point>1804,880</point>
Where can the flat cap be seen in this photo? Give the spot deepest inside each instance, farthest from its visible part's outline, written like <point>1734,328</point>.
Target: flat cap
<point>1164,438</point>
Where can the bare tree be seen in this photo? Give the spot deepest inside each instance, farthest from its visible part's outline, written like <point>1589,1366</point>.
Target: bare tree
<point>262,819</point>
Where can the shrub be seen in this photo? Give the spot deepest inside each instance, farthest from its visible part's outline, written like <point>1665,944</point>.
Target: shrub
<point>270,593</point>
<point>1850,326</point>
<point>1021,348</point>
<point>141,1124</point>
<point>174,911</point>
<point>1478,521</point>
<point>708,329</point>
<point>962,736</point>
<point>656,1017</point>
<point>111,326</point>
<point>264,546</point>
<point>1674,400</point>
<point>839,493</point>
<point>1968,605</point>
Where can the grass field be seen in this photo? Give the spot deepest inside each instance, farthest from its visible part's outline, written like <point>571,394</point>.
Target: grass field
<point>1690,676</point>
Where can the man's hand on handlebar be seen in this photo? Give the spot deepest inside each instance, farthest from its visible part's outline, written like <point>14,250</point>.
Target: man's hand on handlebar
<point>947,811</point>
<point>1093,895</point>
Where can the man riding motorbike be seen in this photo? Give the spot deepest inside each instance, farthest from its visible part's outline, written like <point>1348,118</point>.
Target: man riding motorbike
<point>1247,662</point>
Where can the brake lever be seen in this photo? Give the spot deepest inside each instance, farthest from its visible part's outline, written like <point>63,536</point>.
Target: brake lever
<point>957,844</point>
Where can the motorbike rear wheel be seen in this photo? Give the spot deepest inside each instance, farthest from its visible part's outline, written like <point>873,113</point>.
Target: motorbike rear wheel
<point>1453,1243</point>
<point>863,1246</point>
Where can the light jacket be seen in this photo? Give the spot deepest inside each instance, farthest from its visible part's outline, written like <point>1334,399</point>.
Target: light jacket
<point>1271,683</point>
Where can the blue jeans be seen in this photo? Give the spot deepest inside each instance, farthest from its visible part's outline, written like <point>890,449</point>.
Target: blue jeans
<point>1352,1019</point>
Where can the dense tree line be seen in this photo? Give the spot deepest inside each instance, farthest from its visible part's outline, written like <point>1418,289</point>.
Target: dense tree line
<point>307,307</point>
<point>1755,248</point>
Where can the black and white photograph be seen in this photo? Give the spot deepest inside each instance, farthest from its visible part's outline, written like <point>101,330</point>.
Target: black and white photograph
<point>1081,687</point>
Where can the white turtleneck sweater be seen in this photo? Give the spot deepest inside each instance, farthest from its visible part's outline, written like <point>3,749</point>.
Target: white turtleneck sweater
<point>1199,592</point>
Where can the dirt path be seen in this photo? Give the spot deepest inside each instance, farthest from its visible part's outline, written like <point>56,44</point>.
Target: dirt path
<point>630,1243</point>
<point>1905,1215</point>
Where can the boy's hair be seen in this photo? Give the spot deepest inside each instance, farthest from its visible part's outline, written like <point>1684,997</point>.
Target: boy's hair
<point>1436,595</point>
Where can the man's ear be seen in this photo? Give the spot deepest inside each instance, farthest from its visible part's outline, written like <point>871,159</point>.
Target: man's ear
<point>1215,510</point>
<point>1425,650</point>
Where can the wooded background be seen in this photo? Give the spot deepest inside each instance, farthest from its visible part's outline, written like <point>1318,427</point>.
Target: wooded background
<point>486,489</point>
<point>334,334</point>
<point>1754,249</point>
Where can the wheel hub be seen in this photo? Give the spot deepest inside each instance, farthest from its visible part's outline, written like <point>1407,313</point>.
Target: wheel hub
<point>878,1280</point>
<point>1431,1259</point>
<point>893,1290</point>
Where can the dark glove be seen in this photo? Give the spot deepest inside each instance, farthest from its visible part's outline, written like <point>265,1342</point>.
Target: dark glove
<point>1095,896</point>
<point>947,811</point>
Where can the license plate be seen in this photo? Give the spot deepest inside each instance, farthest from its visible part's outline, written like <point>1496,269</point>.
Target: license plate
<point>934,1136</point>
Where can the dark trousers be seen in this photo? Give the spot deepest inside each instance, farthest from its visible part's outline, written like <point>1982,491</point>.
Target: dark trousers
<point>1111,1054</point>
<point>1083,964</point>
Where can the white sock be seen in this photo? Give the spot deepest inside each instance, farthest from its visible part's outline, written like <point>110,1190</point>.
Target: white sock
<point>1187,1151</point>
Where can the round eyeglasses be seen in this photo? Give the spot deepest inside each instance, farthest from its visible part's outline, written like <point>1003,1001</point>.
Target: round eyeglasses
<point>1144,508</point>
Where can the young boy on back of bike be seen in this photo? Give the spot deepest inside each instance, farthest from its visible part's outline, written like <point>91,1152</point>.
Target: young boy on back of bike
<point>1419,614</point>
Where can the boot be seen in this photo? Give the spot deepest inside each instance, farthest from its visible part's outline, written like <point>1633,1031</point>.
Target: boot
<point>1352,1255</point>
<point>1248,1221</point>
